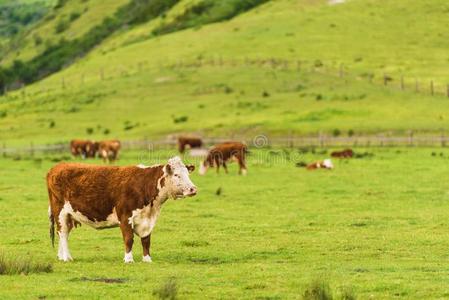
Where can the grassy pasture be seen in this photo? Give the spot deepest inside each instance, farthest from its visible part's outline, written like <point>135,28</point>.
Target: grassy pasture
<point>377,225</point>
<point>217,100</point>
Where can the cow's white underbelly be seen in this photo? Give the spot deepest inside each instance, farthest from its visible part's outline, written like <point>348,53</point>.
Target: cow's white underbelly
<point>111,220</point>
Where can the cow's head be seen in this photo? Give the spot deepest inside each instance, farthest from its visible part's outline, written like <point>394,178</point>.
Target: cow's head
<point>177,178</point>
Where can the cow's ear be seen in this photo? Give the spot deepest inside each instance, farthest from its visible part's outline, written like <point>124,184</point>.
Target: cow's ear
<point>168,170</point>
<point>191,168</point>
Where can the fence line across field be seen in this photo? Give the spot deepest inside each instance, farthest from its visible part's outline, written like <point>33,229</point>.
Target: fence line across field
<point>261,142</point>
<point>399,81</point>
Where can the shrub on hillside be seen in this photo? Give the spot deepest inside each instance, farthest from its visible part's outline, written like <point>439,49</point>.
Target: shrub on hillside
<point>205,12</point>
<point>74,15</point>
<point>62,25</point>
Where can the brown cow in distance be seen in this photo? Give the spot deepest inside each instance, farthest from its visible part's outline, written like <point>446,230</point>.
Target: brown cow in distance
<point>109,196</point>
<point>83,148</point>
<point>222,153</point>
<point>108,150</point>
<point>347,153</point>
<point>186,141</point>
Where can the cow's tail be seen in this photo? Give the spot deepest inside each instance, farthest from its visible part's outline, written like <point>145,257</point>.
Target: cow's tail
<point>52,226</point>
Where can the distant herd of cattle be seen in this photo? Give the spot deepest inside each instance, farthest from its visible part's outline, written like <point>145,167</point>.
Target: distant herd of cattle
<point>130,197</point>
<point>217,156</point>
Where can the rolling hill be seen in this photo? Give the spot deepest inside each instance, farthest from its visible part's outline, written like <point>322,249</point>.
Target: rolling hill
<point>271,68</point>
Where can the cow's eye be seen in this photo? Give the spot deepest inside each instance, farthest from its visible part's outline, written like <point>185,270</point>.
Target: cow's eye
<point>177,175</point>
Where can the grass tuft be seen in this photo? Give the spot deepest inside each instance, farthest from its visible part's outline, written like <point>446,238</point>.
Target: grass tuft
<point>168,290</point>
<point>318,290</point>
<point>21,265</point>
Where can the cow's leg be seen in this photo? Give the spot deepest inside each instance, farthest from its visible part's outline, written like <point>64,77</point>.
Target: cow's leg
<point>65,225</point>
<point>217,163</point>
<point>225,167</point>
<point>242,166</point>
<point>146,243</point>
<point>128,236</point>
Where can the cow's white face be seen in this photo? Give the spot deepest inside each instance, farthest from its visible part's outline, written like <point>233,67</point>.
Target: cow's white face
<point>178,179</point>
<point>327,163</point>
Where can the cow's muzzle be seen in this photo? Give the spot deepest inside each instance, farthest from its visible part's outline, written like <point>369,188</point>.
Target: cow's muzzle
<point>190,192</point>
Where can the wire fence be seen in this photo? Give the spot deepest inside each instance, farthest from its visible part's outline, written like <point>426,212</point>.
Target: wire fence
<point>259,141</point>
<point>393,80</point>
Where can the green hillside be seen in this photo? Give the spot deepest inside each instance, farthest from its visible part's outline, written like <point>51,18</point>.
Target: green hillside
<point>230,77</point>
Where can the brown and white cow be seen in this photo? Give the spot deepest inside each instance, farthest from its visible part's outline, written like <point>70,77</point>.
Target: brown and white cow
<point>108,150</point>
<point>325,164</point>
<point>347,153</point>
<point>83,148</point>
<point>110,196</point>
<point>221,153</point>
<point>186,141</point>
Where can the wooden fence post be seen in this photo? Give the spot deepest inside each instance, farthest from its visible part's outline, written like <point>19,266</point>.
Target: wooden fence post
<point>402,83</point>
<point>341,71</point>
<point>385,79</point>
<point>442,139</point>
<point>448,90</point>
<point>31,149</point>
<point>416,85</point>
<point>102,74</point>
<point>410,138</point>
<point>431,88</point>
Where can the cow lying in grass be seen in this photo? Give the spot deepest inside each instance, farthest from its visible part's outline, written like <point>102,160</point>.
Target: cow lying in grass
<point>325,164</point>
<point>106,196</point>
<point>347,153</point>
<point>222,153</point>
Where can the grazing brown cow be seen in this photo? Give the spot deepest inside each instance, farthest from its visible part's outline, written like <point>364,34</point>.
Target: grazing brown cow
<point>109,196</point>
<point>108,150</point>
<point>192,142</point>
<point>223,152</point>
<point>325,164</point>
<point>83,148</point>
<point>347,153</point>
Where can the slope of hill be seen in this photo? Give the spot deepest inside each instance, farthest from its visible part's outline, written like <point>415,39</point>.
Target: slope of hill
<point>69,20</point>
<point>219,79</point>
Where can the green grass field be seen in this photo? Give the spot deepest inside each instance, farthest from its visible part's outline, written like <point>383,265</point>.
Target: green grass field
<point>378,226</point>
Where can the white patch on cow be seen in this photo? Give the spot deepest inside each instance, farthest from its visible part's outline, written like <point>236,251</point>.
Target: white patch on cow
<point>111,220</point>
<point>334,2</point>
<point>143,220</point>
<point>198,152</point>
<point>142,166</point>
<point>327,163</point>
<point>147,259</point>
<point>202,170</point>
<point>128,257</point>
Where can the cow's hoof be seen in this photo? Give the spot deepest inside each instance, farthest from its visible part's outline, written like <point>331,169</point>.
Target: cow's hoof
<point>147,259</point>
<point>128,258</point>
<point>65,258</point>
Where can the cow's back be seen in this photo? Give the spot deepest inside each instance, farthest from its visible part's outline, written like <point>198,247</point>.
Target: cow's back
<point>92,190</point>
